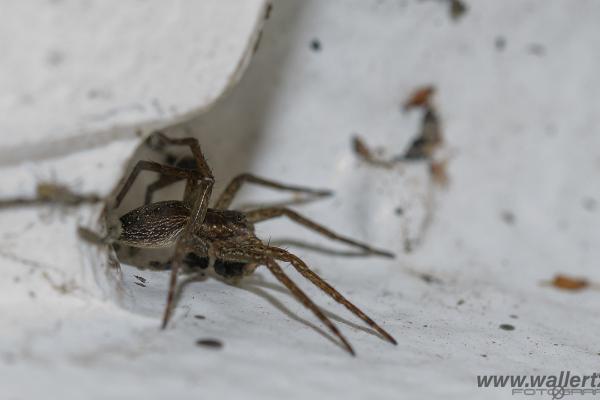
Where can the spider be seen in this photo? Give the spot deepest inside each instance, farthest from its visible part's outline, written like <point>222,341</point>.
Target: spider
<point>224,239</point>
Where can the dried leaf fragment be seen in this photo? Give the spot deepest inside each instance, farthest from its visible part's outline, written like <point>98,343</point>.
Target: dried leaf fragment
<point>419,98</point>
<point>569,283</point>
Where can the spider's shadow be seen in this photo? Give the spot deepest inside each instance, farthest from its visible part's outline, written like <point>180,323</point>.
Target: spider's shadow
<point>256,285</point>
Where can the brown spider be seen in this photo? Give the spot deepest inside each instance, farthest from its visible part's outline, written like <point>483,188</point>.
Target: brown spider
<point>225,238</point>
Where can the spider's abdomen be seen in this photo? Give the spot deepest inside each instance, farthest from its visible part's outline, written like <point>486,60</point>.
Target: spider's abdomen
<point>154,225</point>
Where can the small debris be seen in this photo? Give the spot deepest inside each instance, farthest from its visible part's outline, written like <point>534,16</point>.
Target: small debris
<point>439,175</point>
<point>198,316</point>
<point>429,138</point>
<point>513,316</point>
<point>419,98</point>
<point>52,193</point>
<point>399,211</point>
<point>211,343</point>
<point>537,49</point>
<point>590,204</point>
<point>569,283</point>
<point>363,152</point>
<point>428,278</point>
<point>55,58</point>
<point>57,193</point>
<point>140,284</point>
<point>315,45</point>
<point>508,217</point>
<point>139,278</point>
<point>360,148</point>
<point>484,355</point>
<point>507,327</point>
<point>500,43</point>
<point>457,9</point>
<point>460,302</point>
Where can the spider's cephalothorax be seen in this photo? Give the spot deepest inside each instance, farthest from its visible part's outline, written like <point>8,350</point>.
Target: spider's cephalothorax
<point>221,238</point>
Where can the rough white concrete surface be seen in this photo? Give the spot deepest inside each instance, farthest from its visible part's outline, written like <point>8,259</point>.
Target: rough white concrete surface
<point>520,121</point>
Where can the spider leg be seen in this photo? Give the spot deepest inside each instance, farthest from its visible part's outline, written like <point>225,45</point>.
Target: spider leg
<point>253,249</point>
<point>305,300</point>
<point>164,170</point>
<point>197,197</point>
<point>264,214</point>
<point>164,181</point>
<point>234,186</point>
<point>194,146</point>
<point>303,269</point>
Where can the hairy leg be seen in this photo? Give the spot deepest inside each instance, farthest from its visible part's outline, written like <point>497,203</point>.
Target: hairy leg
<point>275,212</point>
<point>254,250</point>
<point>197,197</point>
<point>303,269</point>
<point>234,186</point>
<point>164,170</point>
<point>306,301</point>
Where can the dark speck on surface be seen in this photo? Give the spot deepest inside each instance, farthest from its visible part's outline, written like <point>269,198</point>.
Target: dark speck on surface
<point>315,45</point>
<point>399,211</point>
<point>513,316</point>
<point>460,302</point>
<point>428,278</point>
<point>507,327</point>
<point>55,58</point>
<point>537,49</point>
<point>211,343</point>
<point>457,9</point>
<point>198,316</point>
<point>508,217</point>
<point>140,284</point>
<point>500,43</point>
<point>590,204</point>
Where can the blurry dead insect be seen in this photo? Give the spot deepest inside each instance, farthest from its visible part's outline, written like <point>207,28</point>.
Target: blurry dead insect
<point>423,146</point>
<point>429,139</point>
<point>52,193</point>
<point>224,238</point>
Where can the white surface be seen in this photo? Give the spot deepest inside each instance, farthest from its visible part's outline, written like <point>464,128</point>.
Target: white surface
<point>84,73</point>
<point>521,128</point>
